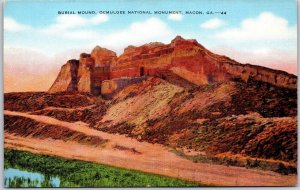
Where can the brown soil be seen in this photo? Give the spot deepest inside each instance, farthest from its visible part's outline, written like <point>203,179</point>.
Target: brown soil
<point>251,124</point>
<point>254,119</point>
<point>27,127</point>
<point>31,101</point>
<point>152,158</point>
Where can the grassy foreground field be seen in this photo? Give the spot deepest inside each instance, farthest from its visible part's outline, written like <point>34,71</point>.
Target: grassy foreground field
<point>74,173</point>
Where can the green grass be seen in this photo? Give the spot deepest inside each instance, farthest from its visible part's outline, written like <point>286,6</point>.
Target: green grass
<point>74,173</point>
<point>18,182</point>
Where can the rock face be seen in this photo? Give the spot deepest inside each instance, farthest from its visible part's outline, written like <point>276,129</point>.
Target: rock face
<point>91,70</point>
<point>67,78</point>
<point>110,87</point>
<point>84,71</point>
<point>186,58</point>
<point>103,56</point>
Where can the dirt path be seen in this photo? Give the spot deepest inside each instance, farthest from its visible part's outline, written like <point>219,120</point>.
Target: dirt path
<point>66,109</point>
<point>129,153</point>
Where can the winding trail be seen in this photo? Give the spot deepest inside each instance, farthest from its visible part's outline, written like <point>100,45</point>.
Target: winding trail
<point>143,156</point>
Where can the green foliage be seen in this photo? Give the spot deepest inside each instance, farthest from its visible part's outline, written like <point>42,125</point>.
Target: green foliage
<point>21,182</point>
<point>74,173</point>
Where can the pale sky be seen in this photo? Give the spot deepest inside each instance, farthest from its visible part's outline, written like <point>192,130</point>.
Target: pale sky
<point>251,31</point>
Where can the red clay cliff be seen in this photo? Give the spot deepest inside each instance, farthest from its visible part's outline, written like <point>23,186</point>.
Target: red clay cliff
<point>102,72</point>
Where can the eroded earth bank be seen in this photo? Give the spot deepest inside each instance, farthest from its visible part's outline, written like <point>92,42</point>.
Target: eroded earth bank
<point>172,109</point>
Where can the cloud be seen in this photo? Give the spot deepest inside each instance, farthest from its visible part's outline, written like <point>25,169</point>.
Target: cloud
<point>266,26</point>
<point>274,58</point>
<point>66,30</point>
<point>152,29</point>
<point>13,26</point>
<point>99,19</point>
<point>75,21</point>
<point>212,23</point>
<point>21,64</point>
<point>79,34</point>
<point>175,17</point>
<point>267,40</point>
<point>27,69</point>
<point>70,26</point>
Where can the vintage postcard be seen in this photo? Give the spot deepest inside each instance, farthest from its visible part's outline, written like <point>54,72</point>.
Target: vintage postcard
<point>150,93</point>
